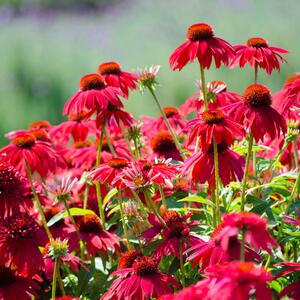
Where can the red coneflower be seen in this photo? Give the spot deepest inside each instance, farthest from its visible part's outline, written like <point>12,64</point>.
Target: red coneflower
<point>40,156</point>
<point>176,234</point>
<point>13,286</point>
<point>213,123</point>
<point>293,289</point>
<point>289,96</point>
<point>107,172</point>
<point>128,258</point>
<point>142,281</point>
<point>116,77</point>
<point>207,254</point>
<point>15,193</point>
<point>255,228</point>
<point>217,97</point>
<point>255,112</point>
<point>114,115</point>
<point>154,124</point>
<point>202,168</point>
<point>20,239</point>
<point>258,52</point>
<point>77,127</point>
<point>201,44</point>
<point>92,233</point>
<point>241,280</point>
<point>163,145</point>
<point>93,95</point>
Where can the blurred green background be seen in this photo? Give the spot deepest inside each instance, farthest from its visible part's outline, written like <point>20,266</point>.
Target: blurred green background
<point>46,45</point>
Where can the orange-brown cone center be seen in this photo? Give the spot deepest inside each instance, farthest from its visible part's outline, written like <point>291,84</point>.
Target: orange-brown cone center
<point>92,82</point>
<point>109,68</point>
<point>257,42</point>
<point>257,95</point>
<point>24,141</point>
<point>213,116</point>
<point>198,32</point>
<point>118,163</point>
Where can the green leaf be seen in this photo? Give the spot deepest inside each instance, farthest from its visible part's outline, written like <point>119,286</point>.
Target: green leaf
<point>198,199</point>
<point>74,211</point>
<point>109,195</point>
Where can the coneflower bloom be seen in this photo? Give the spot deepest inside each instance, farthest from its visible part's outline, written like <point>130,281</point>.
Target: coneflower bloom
<point>175,234</point>
<point>77,127</point>
<point>60,248</point>
<point>114,115</point>
<point>13,286</point>
<point>107,172</point>
<point>217,97</point>
<point>213,123</point>
<point>116,77</point>
<point>142,281</point>
<point>202,168</point>
<point>96,238</point>
<point>40,156</point>
<point>15,192</point>
<point>255,112</point>
<point>240,280</point>
<point>174,117</point>
<point>257,51</point>
<point>289,96</point>
<point>208,254</point>
<point>93,95</point>
<point>254,226</point>
<point>163,145</point>
<point>128,258</point>
<point>20,239</point>
<point>201,44</point>
<point>293,289</point>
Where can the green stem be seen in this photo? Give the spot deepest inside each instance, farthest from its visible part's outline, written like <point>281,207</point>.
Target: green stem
<point>181,266</point>
<point>296,158</point>
<point>54,280</point>
<point>100,202</point>
<point>123,220</point>
<point>153,206</point>
<point>86,195</point>
<point>61,286</point>
<point>255,72</point>
<point>214,215</point>
<point>168,124</point>
<point>99,148</point>
<point>137,150</point>
<point>203,86</point>
<point>245,177</point>
<point>295,189</point>
<point>217,196</point>
<point>163,198</point>
<point>126,138</point>
<point>110,146</point>
<point>242,253</point>
<point>37,201</point>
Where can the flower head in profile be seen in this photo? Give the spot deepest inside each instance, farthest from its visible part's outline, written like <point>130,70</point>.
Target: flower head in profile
<point>58,249</point>
<point>163,145</point>
<point>202,44</point>
<point>14,286</point>
<point>128,258</point>
<point>93,95</point>
<point>202,169</point>
<point>107,172</point>
<point>20,239</point>
<point>92,233</point>
<point>39,155</point>
<point>116,77</point>
<point>176,233</point>
<point>257,51</point>
<point>62,188</point>
<point>255,227</point>
<point>217,96</point>
<point>255,112</point>
<point>141,281</point>
<point>238,280</point>
<point>15,193</point>
<point>288,98</point>
<point>213,123</point>
<point>147,78</point>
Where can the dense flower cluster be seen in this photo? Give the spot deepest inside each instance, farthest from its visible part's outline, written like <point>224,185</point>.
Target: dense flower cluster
<point>199,202</point>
